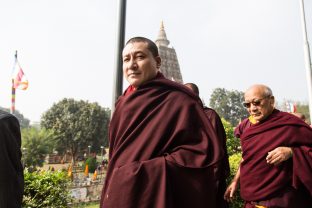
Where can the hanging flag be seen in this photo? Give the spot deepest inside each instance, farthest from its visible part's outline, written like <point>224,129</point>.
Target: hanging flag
<point>19,79</point>
<point>291,107</point>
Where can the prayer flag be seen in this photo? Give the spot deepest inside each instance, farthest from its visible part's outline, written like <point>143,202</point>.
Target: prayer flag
<point>291,107</point>
<point>19,79</point>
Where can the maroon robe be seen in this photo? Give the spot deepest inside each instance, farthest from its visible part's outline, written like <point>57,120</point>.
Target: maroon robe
<point>11,169</point>
<point>162,150</point>
<point>287,184</point>
<point>222,169</point>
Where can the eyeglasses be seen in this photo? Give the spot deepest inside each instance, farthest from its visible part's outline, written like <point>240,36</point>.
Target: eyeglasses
<point>254,102</point>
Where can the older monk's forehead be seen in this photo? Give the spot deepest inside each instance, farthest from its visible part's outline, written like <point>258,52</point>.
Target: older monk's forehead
<point>135,47</point>
<point>254,92</point>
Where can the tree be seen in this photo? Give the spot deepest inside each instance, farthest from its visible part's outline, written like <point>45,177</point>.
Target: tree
<point>24,122</point>
<point>228,104</point>
<point>76,125</point>
<point>35,145</point>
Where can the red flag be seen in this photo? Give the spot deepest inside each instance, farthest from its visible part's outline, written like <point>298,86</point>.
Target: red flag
<point>19,79</point>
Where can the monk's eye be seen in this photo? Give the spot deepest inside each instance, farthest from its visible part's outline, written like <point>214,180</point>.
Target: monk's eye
<point>140,56</point>
<point>246,104</point>
<point>125,59</point>
<point>256,102</point>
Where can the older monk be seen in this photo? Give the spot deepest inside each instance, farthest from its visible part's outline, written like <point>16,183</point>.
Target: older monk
<point>162,148</point>
<point>276,166</point>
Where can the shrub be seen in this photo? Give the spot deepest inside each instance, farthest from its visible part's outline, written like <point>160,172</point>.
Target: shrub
<point>234,164</point>
<point>232,143</point>
<point>46,189</point>
<point>92,164</point>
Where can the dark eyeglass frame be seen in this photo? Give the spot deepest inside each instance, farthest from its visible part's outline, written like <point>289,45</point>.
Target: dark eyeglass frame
<point>256,102</point>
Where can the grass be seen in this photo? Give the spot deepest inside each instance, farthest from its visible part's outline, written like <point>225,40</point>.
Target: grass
<point>88,205</point>
<point>94,205</point>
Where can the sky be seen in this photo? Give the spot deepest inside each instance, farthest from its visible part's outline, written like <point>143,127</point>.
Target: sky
<point>67,48</point>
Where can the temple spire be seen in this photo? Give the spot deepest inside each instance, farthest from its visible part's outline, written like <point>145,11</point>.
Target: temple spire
<point>169,60</point>
<point>162,37</point>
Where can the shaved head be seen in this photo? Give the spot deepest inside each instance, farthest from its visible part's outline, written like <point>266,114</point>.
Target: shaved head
<point>262,89</point>
<point>259,101</point>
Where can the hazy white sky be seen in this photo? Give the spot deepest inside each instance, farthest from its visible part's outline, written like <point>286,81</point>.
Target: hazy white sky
<point>67,47</point>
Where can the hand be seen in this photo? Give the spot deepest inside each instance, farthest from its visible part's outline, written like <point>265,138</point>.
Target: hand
<point>229,193</point>
<point>279,155</point>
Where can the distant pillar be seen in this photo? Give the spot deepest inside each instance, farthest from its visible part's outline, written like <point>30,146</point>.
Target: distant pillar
<point>307,58</point>
<point>121,25</point>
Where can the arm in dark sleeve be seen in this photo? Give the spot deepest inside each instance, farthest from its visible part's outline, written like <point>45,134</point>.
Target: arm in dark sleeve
<point>217,125</point>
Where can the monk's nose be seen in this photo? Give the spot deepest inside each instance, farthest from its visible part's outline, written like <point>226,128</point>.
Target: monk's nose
<point>133,64</point>
<point>253,107</point>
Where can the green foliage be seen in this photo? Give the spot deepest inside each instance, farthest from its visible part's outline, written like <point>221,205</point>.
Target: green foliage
<point>232,143</point>
<point>77,124</point>
<point>234,152</point>
<point>35,145</point>
<point>87,205</point>
<point>234,161</point>
<point>92,164</point>
<point>228,104</point>
<point>46,190</point>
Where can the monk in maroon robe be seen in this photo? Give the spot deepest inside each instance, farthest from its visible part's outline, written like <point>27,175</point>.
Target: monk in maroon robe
<point>11,169</point>
<point>276,166</point>
<point>162,148</point>
<point>222,169</point>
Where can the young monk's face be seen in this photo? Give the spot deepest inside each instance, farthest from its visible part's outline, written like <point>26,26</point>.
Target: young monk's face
<point>258,105</point>
<point>139,64</point>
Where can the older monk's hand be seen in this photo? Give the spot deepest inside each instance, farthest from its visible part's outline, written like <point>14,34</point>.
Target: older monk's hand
<point>229,193</point>
<point>279,155</point>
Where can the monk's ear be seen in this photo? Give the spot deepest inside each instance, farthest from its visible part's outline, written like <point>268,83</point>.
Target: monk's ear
<point>272,100</point>
<point>158,62</point>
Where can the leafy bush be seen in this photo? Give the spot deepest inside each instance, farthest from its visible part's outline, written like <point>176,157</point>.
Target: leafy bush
<point>46,189</point>
<point>92,164</point>
<point>234,152</point>
<point>234,164</point>
<point>232,143</point>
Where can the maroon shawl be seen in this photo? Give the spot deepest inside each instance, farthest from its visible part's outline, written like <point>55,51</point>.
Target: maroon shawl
<point>261,181</point>
<point>162,150</point>
<point>222,169</point>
